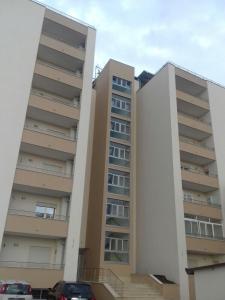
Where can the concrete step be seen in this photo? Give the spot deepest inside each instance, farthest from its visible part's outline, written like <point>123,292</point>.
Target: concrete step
<point>136,289</point>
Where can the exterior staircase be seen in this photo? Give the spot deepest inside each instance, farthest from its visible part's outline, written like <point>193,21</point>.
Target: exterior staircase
<point>109,286</point>
<point>138,291</point>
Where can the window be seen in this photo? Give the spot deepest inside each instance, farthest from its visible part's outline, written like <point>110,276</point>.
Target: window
<point>121,85</point>
<point>203,226</point>
<point>188,197</point>
<point>119,154</point>
<point>120,129</point>
<point>44,212</point>
<point>120,105</point>
<point>117,212</point>
<point>118,182</point>
<point>116,247</point>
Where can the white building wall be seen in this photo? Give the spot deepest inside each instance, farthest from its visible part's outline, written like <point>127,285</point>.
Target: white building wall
<point>20,28</point>
<point>217,109</point>
<point>161,246</point>
<point>81,164</point>
<point>209,284</point>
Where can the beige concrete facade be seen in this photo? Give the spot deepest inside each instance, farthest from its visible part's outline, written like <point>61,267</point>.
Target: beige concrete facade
<point>49,112</point>
<point>102,164</point>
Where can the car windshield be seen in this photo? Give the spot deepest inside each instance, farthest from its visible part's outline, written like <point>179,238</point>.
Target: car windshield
<point>17,289</point>
<point>73,289</point>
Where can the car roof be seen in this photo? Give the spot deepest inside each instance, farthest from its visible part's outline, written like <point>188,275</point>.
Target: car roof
<point>11,281</point>
<point>75,282</point>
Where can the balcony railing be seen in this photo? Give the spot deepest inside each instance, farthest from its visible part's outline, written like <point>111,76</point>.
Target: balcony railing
<point>35,215</point>
<point>201,172</point>
<point>30,265</point>
<point>81,48</point>
<point>48,132</point>
<point>209,237</point>
<point>55,98</point>
<point>43,170</point>
<point>103,276</point>
<point>202,202</point>
<point>194,118</point>
<point>44,63</point>
<point>183,139</point>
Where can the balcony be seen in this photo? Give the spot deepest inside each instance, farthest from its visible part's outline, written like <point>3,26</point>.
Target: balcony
<point>40,142</point>
<point>191,105</point>
<point>203,208</point>
<point>45,107</point>
<point>205,245</point>
<point>198,181</point>
<point>60,46</point>
<point>60,60</point>
<point>56,80</point>
<point>38,275</point>
<point>26,223</point>
<point>193,128</point>
<point>42,181</point>
<point>196,153</point>
<point>63,29</point>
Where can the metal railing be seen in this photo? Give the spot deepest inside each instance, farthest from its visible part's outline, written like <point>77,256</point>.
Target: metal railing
<point>30,265</point>
<point>103,276</point>
<point>202,202</point>
<point>55,98</point>
<point>44,63</point>
<point>182,139</point>
<point>48,132</point>
<point>184,168</point>
<point>198,235</point>
<point>43,170</point>
<point>35,215</point>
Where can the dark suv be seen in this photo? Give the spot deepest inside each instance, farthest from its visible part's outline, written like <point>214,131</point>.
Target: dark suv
<point>69,290</point>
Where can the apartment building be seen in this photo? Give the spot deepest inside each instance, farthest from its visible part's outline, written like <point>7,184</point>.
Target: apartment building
<point>180,175</point>
<point>45,121</point>
<point>111,216</point>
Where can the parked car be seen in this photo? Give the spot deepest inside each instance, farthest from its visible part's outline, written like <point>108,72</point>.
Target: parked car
<point>15,290</point>
<point>69,290</point>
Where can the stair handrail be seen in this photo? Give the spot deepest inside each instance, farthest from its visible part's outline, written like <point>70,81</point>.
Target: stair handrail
<point>101,275</point>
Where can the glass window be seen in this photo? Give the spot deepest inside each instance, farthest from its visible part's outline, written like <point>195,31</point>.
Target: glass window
<point>109,209</point>
<point>117,127</point>
<point>203,229</point>
<point>44,212</point>
<point>218,231</point>
<point>195,228</point>
<point>188,227</point>
<point>110,178</point>
<point>107,243</point>
<point>126,212</point>
<point>120,245</point>
<point>113,244</point>
<point>115,181</point>
<point>125,245</point>
<point>209,230</point>
<point>120,211</point>
<point>114,210</point>
<point>111,150</point>
<point>121,181</point>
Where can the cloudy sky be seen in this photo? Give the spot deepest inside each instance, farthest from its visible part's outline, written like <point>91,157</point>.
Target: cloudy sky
<point>148,33</point>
